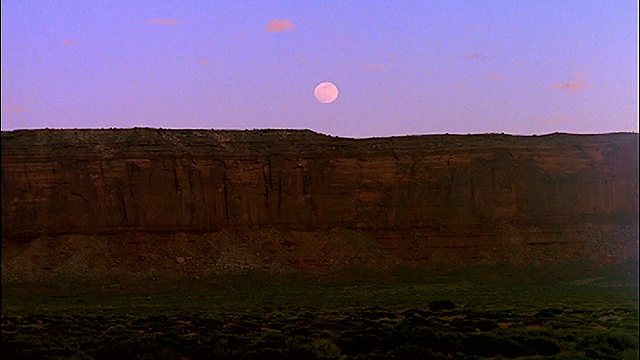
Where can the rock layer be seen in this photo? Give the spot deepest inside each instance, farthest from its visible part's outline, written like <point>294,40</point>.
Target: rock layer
<point>425,199</point>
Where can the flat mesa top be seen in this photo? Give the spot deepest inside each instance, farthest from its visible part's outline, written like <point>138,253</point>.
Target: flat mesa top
<point>110,142</point>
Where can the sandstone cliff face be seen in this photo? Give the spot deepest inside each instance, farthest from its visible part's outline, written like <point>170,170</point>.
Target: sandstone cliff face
<point>423,198</point>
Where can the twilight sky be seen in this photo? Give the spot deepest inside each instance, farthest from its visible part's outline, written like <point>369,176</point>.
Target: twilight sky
<point>421,67</point>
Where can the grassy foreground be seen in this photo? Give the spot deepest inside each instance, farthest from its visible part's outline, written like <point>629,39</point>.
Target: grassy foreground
<point>453,319</point>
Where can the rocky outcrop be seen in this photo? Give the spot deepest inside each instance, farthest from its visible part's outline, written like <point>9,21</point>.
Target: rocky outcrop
<point>434,198</point>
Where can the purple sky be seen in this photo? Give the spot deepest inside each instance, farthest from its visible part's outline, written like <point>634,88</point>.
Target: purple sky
<point>521,67</point>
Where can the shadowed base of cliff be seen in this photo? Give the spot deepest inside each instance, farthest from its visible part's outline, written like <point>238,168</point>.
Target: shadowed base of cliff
<point>336,255</point>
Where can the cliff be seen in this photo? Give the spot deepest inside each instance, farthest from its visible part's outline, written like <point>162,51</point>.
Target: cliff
<point>419,199</point>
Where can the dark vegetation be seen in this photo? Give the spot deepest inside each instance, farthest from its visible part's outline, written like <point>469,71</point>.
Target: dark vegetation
<point>588,319</point>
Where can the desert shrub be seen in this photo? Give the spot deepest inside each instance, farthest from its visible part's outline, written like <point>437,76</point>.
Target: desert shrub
<point>605,345</point>
<point>211,353</point>
<point>359,343</point>
<point>272,340</point>
<point>230,341</point>
<point>563,322</point>
<point>289,353</point>
<point>295,330</point>
<point>299,353</point>
<point>601,352</point>
<point>491,345</point>
<point>463,326</point>
<point>264,354</point>
<point>542,346</point>
<point>441,305</point>
<point>485,325</point>
<point>417,321</point>
<point>413,351</point>
<point>412,312</point>
<point>548,313</point>
<point>324,349</point>
<point>619,340</point>
<point>378,314</point>
<point>206,323</point>
<point>171,340</point>
<point>532,342</point>
<point>631,354</point>
<point>425,338</point>
<point>492,315</point>
<point>29,346</point>
<point>134,347</point>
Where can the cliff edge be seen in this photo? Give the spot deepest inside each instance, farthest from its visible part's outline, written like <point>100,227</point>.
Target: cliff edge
<point>211,201</point>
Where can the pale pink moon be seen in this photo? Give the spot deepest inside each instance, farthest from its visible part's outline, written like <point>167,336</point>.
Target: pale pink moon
<point>326,92</point>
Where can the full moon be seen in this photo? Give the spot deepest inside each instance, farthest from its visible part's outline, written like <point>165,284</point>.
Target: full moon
<point>326,92</point>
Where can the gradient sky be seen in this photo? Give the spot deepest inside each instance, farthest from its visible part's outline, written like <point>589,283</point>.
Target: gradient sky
<point>423,67</point>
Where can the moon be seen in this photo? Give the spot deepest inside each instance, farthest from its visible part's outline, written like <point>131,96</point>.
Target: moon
<point>326,92</point>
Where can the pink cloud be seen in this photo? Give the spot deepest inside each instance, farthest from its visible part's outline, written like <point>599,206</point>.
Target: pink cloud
<point>203,62</point>
<point>162,22</point>
<point>67,42</point>
<point>559,120</point>
<point>242,37</point>
<point>494,77</point>
<point>476,56</point>
<point>301,59</point>
<point>340,42</point>
<point>14,109</point>
<point>571,86</point>
<point>579,74</point>
<point>371,67</point>
<point>279,25</point>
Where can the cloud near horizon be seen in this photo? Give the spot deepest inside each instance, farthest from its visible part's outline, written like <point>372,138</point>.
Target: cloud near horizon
<point>571,86</point>
<point>555,120</point>
<point>559,120</point>
<point>276,25</point>
<point>162,22</point>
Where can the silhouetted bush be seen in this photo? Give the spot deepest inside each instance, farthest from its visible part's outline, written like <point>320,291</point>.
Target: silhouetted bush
<point>441,305</point>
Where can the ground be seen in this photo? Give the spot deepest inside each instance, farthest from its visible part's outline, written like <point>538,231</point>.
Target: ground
<point>442,316</point>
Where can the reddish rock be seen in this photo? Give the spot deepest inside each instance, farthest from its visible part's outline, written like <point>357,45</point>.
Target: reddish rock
<point>419,199</point>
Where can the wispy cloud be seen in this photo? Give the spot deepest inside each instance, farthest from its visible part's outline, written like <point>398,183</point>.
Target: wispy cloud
<point>571,86</point>
<point>67,43</point>
<point>276,25</point>
<point>372,67</point>
<point>162,22</point>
